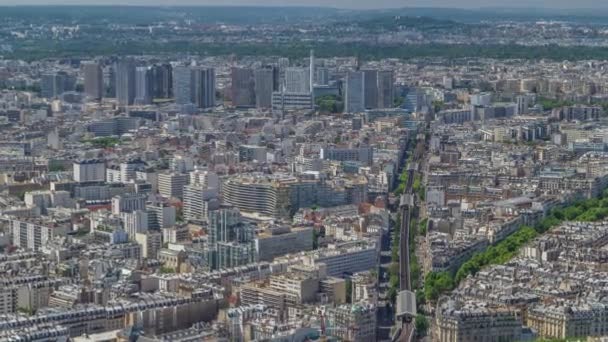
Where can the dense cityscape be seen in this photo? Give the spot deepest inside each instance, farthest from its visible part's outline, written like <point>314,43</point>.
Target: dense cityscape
<point>302,174</point>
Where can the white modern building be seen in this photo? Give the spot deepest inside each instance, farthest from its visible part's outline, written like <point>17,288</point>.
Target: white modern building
<point>90,170</point>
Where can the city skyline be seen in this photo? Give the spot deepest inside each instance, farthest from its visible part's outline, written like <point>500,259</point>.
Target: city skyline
<point>172,172</point>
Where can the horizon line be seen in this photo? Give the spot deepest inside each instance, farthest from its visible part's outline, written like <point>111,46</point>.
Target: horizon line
<point>472,9</point>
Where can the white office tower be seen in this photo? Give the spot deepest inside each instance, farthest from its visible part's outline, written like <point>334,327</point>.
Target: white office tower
<point>201,196</point>
<point>311,70</point>
<point>90,170</point>
<point>135,222</point>
<point>198,201</point>
<point>297,80</point>
<point>355,92</point>
<point>144,85</point>
<point>128,170</point>
<point>207,179</point>
<point>172,184</point>
<point>128,203</point>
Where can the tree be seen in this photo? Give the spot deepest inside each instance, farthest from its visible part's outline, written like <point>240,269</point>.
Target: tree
<point>56,168</point>
<point>422,229</point>
<point>436,284</point>
<point>399,101</point>
<point>422,325</point>
<point>166,270</point>
<point>329,104</point>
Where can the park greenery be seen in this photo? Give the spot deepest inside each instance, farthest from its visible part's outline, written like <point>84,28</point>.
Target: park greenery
<point>38,49</point>
<point>330,104</point>
<point>550,104</point>
<point>103,142</point>
<point>589,210</point>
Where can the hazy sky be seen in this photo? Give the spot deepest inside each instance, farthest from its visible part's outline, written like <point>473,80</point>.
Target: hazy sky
<point>587,4</point>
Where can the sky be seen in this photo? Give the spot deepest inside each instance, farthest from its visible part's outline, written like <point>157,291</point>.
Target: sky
<point>556,4</point>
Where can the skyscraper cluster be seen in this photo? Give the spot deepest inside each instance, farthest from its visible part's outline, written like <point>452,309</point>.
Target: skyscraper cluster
<point>194,85</point>
<point>273,86</point>
<point>368,89</point>
<point>52,85</point>
<point>134,84</point>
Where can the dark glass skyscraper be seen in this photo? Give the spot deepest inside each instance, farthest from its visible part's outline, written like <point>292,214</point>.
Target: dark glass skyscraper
<point>264,86</point>
<point>93,80</point>
<point>144,87</point>
<point>125,82</point>
<point>203,87</point>
<point>162,81</point>
<point>243,87</point>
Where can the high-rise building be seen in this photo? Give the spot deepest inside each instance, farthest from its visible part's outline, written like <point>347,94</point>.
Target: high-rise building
<point>523,103</point>
<point>126,203</point>
<point>125,82</point>
<point>311,71</point>
<point>52,85</point>
<point>230,242</point>
<point>182,85</point>
<point>386,89</point>
<point>297,80</point>
<point>322,75</point>
<point>203,87</point>
<point>355,92</point>
<point>283,64</point>
<point>264,85</point>
<point>144,86</point>
<point>135,222</point>
<point>172,184</point>
<point>416,100</point>
<point>91,170</point>
<point>109,81</point>
<point>93,80</point>
<point>243,87</point>
<point>198,202</point>
<point>226,224</point>
<point>162,76</point>
<point>370,88</point>
<point>160,215</point>
<point>209,180</point>
<point>129,168</point>
<point>31,234</point>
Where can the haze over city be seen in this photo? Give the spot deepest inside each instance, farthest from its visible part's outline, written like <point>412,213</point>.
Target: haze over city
<point>472,4</point>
